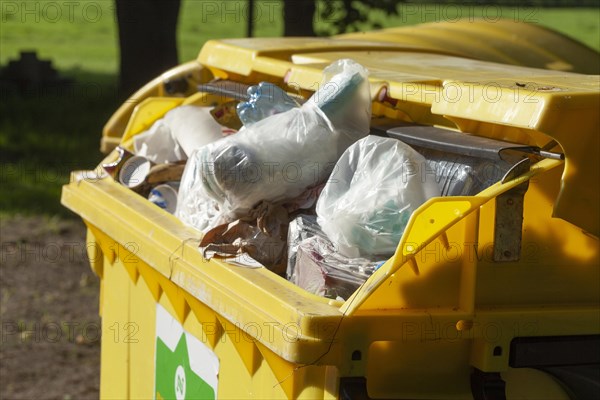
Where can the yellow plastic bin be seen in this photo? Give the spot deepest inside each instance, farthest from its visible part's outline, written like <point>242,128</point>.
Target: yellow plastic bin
<point>445,317</point>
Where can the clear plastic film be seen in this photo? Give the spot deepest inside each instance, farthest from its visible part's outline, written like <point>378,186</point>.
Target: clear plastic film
<point>316,265</point>
<point>300,228</point>
<point>279,157</point>
<point>367,202</point>
<point>459,175</point>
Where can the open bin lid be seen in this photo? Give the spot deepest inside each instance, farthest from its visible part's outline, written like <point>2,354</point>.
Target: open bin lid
<point>508,103</point>
<point>437,74</point>
<point>454,142</point>
<point>536,47</point>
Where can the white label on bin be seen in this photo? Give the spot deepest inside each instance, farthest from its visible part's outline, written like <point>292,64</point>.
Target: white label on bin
<point>185,368</point>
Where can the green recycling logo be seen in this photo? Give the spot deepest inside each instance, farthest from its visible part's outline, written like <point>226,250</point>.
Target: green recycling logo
<point>185,368</point>
<point>180,384</point>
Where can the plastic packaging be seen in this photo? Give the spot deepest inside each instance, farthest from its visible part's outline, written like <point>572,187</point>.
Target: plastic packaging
<point>315,265</point>
<point>278,157</point>
<point>459,175</point>
<point>266,99</point>
<point>194,127</point>
<point>300,228</point>
<point>178,134</point>
<point>370,196</point>
<point>158,145</point>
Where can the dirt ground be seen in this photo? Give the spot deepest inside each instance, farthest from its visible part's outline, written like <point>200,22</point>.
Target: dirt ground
<point>50,329</point>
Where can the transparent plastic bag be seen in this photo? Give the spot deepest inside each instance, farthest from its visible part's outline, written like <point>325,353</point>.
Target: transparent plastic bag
<point>279,157</point>
<point>300,228</point>
<point>367,202</point>
<point>315,265</point>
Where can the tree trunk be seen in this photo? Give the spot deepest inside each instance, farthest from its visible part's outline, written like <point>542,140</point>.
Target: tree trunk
<point>147,40</point>
<point>298,17</point>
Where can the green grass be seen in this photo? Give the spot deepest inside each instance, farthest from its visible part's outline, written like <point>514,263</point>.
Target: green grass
<point>44,135</point>
<point>580,24</point>
<point>88,40</point>
<point>201,21</point>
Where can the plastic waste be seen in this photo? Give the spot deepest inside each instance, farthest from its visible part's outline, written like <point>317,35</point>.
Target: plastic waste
<point>279,157</point>
<point>266,99</point>
<point>300,228</point>
<point>194,127</point>
<point>158,145</point>
<point>315,264</point>
<point>181,131</point>
<point>459,175</point>
<point>369,198</point>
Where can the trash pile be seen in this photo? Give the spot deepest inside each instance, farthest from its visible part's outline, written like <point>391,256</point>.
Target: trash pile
<point>301,188</point>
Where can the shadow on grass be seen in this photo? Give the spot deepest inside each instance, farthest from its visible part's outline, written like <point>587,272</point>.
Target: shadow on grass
<point>45,134</point>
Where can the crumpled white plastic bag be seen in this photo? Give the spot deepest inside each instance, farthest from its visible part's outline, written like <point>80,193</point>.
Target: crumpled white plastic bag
<point>279,157</point>
<point>158,145</point>
<point>367,201</point>
<point>175,136</point>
